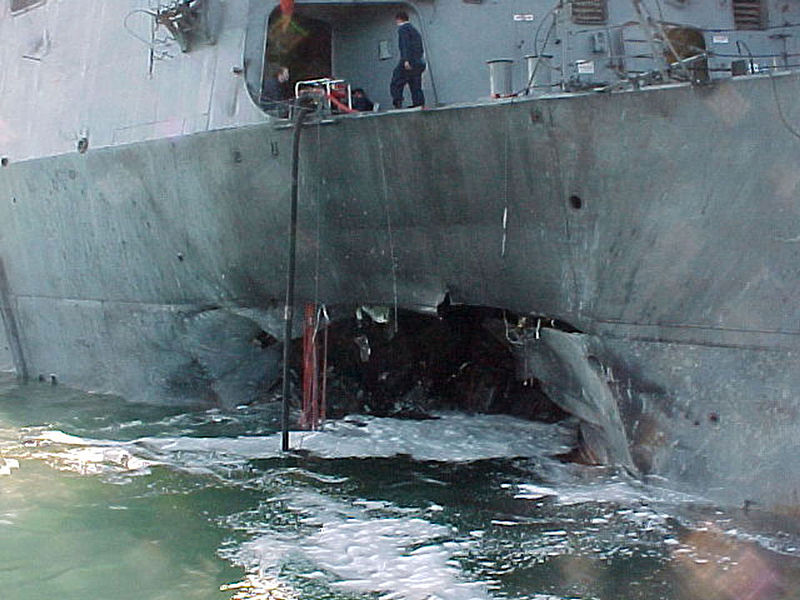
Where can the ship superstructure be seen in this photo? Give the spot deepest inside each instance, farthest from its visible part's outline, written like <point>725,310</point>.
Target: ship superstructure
<point>120,75</point>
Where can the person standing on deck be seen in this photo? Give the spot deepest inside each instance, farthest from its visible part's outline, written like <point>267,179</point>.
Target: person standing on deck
<point>273,95</point>
<point>409,69</point>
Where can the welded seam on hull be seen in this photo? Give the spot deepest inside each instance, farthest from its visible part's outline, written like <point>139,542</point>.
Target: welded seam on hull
<point>10,324</point>
<point>199,304</point>
<point>773,341</point>
<point>696,327</point>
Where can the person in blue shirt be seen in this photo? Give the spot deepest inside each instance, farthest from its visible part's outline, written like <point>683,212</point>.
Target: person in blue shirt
<point>360,101</point>
<point>409,69</point>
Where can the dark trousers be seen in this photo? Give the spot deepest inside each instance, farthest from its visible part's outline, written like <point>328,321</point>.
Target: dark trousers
<point>413,77</point>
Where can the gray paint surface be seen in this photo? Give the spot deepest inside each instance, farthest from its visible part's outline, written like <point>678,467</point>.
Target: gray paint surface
<point>148,265</point>
<point>719,421</point>
<point>59,84</point>
<point>176,269</point>
<point>12,355</point>
<point>6,358</point>
<point>6,361</point>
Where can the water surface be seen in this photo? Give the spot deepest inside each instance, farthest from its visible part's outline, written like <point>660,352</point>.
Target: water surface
<point>104,499</point>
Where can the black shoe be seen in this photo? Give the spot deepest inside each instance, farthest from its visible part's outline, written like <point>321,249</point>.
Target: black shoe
<point>397,103</point>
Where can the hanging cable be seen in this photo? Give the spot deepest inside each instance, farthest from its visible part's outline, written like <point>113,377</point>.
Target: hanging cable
<point>313,377</point>
<point>288,309</point>
<point>546,16</point>
<point>318,196</point>
<point>505,189</point>
<point>785,122</point>
<point>130,31</point>
<point>388,225</point>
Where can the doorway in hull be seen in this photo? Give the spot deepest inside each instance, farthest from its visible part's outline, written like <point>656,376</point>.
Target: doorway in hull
<point>300,43</point>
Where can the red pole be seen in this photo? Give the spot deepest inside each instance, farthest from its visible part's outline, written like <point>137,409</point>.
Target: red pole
<point>315,364</point>
<point>309,360</point>
<point>340,105</point>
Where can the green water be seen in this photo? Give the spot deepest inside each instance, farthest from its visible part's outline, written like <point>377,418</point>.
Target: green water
<point>139,504</point>
<point>66,535</point>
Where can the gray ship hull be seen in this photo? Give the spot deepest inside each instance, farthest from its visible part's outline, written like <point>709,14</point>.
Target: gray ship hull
<point>662,225</point>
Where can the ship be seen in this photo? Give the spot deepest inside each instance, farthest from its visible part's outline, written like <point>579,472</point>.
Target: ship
<point>620,176</point>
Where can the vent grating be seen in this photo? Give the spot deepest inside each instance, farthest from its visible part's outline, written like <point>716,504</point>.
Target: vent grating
<point>748,14</point>
<point>589,12</point>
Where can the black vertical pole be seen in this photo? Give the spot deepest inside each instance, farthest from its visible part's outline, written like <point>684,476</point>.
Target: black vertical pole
<point>288,309</point>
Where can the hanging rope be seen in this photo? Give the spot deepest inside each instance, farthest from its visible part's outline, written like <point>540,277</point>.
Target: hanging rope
<point>388,223</point>
<point>318,196</point>
<point>324,400</point>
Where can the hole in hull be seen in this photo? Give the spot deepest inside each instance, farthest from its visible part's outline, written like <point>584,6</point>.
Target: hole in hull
<point>459,359</point>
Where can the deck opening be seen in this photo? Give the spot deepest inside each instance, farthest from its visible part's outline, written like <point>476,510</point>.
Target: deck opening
<point>300,43</point>
<point>351,43</point>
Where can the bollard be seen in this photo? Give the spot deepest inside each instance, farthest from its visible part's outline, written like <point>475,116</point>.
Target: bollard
<point>500,77</point>
<point>538,73</point>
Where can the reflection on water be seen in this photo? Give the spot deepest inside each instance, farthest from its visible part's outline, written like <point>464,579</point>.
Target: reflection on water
<point>103,499</point>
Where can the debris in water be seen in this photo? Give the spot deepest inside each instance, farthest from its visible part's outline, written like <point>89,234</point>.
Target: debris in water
<point>254,587</point>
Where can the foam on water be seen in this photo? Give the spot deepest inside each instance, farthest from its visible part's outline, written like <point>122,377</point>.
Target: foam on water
<point>314,535</point>
<point>361,546</point>
<point>451,437</point>
<point>355,551</point>
<point>7,465</point>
